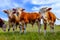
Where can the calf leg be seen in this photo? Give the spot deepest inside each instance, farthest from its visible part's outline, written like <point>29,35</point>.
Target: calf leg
<point>39,26</point>
<point>8,27</point>
<point>16,26</point>
<point>9,24</point>
<point>25,28</point>
<point>13,26</point>
<point>32,24</point>
<point>45,26</point>
<point>52,27</point>
<point>20,26</point>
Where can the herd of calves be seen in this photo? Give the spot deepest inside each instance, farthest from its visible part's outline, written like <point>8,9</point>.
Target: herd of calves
<point>18,16</point>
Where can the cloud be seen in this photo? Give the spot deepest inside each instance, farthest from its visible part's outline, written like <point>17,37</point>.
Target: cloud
<point>39,2</point>
<point>25,1</point>
<point>5,4</point>
<point>8,4</point>
<point>35,9</point>
<point>55,6</point>
<point>6,19</point>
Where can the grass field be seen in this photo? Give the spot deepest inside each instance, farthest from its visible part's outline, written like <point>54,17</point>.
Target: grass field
<point>31,34</point>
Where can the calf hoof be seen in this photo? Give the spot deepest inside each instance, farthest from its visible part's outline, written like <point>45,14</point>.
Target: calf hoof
<point>8,30</point>
<point>13,29</point>
<point>4,30</point>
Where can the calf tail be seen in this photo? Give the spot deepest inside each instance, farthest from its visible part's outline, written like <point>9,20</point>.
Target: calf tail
<point>57,18</point>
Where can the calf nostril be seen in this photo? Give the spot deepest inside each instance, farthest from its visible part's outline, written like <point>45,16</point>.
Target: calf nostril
<point>17,13</point>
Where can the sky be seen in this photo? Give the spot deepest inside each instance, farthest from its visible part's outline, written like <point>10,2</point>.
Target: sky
<point>30,6</point>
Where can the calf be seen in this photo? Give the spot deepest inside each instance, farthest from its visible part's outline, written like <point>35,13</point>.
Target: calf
<point>26,17</point>
<point>48,17</point>
<point>13,20</point>
<point>2,24</point>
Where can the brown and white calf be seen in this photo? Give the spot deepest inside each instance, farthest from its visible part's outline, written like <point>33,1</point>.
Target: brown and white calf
<point>26,17</point>
<point>2,25</point>
<point>13,20</point>
<point>48,17</point>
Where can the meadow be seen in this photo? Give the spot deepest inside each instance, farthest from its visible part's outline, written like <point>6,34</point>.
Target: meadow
<point>31,34</point>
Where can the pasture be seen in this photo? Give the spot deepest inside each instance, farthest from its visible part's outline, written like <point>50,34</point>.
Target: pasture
<point>31,34</point>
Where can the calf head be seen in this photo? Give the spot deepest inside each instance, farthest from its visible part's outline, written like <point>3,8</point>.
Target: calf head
<point>8,12</point>
<point>15,12</point>
<point>44,10</point>
<point>18,11</point>
<point>21,9</point>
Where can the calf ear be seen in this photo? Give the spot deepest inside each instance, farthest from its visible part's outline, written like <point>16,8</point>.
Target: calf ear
<point>14,9</point>
<point>5,11</point>
<point>48,9</point>
<point>23,9</point>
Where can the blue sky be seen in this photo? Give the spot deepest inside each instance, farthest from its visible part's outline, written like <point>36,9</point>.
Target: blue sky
<point>30,6</point>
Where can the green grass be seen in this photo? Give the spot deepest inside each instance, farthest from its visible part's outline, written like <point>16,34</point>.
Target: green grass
<point>31,34</point>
